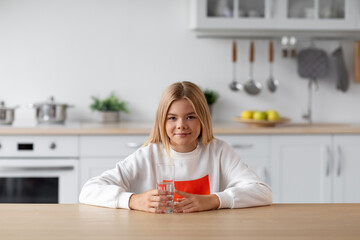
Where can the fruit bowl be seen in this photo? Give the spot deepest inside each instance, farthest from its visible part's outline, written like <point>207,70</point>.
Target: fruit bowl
<point>262,123</point>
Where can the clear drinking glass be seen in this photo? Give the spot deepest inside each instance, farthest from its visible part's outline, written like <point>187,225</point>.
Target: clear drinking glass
<point>165,181</point>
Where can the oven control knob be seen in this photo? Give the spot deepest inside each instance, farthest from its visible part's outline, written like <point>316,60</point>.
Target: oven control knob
<point>52,145</point>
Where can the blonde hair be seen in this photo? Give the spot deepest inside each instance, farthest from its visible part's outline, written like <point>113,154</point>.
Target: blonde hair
<point>178,91</point>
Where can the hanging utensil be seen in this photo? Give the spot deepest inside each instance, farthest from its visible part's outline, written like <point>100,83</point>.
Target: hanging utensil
<point>272,83</point>
<point>312,64</point>
<point>284,44</point>
<point>252,87</point>
<point>340,69</point>
<point>235,85</point>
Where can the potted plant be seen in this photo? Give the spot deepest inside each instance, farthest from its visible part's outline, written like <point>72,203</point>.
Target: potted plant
<point>110,107</point>
<point>211,97</point>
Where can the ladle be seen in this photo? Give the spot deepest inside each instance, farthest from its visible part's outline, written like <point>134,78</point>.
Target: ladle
<point>252,87</point>
<point>272,83</point>
<point>235,85</point>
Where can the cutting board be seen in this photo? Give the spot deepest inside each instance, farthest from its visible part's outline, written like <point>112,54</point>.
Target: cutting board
<point>357,62</point>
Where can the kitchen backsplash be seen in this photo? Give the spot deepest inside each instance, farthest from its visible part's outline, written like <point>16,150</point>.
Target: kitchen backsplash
<point>76,49</point>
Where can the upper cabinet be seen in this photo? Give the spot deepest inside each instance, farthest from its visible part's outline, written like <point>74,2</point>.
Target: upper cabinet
<point>337,15</point>
<point>232,14</point>
<point>275,15</point>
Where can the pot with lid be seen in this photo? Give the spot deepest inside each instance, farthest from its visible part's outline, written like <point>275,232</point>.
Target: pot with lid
<point>50,112</point>
<point>7,114</point>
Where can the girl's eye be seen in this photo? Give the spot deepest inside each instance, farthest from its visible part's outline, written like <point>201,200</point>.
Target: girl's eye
<point>171,118</point>
<point>191,117</point>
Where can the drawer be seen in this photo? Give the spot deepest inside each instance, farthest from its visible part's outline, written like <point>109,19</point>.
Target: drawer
<point>110,146</point>
<point>246,145</point>
<point>39,146</point>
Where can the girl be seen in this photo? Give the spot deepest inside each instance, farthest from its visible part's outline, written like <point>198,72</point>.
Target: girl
<point>208,173</point>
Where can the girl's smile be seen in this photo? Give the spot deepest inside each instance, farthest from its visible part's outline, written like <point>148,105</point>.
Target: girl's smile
<point>182,126</point>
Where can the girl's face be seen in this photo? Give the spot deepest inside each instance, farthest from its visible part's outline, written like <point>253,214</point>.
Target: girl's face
<point>182,126</point>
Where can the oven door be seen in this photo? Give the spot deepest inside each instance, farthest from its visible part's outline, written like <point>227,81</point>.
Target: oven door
<point>38,181</point>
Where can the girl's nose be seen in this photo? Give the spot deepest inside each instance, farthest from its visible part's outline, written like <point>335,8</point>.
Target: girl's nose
<point>180,124</point>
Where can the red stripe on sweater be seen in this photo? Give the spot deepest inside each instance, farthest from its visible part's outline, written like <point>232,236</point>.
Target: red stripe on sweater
<point>199,186</point>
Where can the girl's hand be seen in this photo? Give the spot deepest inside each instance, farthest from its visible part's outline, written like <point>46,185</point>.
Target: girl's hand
<point>148,201</point>
<point>196,203</point>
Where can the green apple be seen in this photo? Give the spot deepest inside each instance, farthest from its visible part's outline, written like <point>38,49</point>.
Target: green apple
<point>259,115</point>
<point>273,115</point>
<point>247,114</point>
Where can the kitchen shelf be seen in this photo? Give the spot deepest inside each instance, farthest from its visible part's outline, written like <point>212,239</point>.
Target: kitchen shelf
<point>277,35</point>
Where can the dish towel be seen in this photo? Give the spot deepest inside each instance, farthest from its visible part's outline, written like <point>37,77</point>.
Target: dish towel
<point>340,69</point>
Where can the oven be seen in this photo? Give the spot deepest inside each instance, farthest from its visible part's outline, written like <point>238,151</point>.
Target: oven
<point>39,169</point>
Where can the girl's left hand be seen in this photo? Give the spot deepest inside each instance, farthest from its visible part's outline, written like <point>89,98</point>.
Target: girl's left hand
<point>195,203</point>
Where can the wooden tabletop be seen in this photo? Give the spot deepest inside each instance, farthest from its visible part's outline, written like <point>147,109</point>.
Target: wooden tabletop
<point>279,221</point>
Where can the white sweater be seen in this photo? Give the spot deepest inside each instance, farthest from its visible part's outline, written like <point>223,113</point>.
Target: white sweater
<point>224,173</point>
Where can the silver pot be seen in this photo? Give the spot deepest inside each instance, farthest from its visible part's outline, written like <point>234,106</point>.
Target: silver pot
<point>7,114</point>
<point>51,112</point>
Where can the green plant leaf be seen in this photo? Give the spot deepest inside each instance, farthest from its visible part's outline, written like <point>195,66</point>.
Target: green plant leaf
<point>111,103</point>
<point>211,96</point>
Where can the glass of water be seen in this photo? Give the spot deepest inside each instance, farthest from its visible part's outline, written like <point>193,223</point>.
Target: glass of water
<point>165,181</point>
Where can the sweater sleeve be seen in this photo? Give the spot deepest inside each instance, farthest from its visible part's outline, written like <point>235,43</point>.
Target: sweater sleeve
<point>241,186</point>
<point>110,189</point>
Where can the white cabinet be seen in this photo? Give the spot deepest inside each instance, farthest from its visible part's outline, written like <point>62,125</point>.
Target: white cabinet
<point>232,14</point>
<point>315,169</point>
<point>254,151</point>
<point>346,170</point>
<point>101,153</point>
<point>301,169</point>
<point>282,15</point>
<point>336,15</point>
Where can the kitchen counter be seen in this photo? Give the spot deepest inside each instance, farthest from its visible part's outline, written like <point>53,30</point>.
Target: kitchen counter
<point>279,221</point>
<point>133,128</point>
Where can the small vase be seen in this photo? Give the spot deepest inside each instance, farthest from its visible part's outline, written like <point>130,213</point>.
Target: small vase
<point>111,117</point>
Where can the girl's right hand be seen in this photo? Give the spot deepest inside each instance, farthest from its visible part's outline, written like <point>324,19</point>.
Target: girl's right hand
<point>148,201</point>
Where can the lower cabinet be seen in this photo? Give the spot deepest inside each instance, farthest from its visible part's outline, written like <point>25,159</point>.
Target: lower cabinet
<point>346,169</point>
<point>254,151</point>
<point>94,166</point>
<point>299,168</point>
<point>101,153</point>
<point>315,169</point>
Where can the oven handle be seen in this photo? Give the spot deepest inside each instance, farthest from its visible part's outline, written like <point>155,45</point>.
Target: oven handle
<point>37,168</point>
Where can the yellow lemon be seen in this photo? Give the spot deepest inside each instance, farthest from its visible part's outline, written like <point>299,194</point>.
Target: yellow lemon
<point>247,114</point>
<point>259,115</point>
<point>273,115</point>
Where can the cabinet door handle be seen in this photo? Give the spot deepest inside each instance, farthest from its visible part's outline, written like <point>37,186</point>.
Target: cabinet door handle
<point>242,146</point>
<point>339,161</point>
<point>328,161</point>
<point>133,145</point>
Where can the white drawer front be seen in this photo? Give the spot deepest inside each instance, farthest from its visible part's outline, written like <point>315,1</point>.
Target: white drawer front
<point>39,146</point>
<point>110,146</point>
<point>248,145</point>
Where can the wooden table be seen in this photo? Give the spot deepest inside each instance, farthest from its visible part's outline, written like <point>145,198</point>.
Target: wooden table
<point>279,221</point>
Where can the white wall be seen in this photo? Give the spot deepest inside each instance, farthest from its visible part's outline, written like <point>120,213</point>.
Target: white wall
<point>74,49</point>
